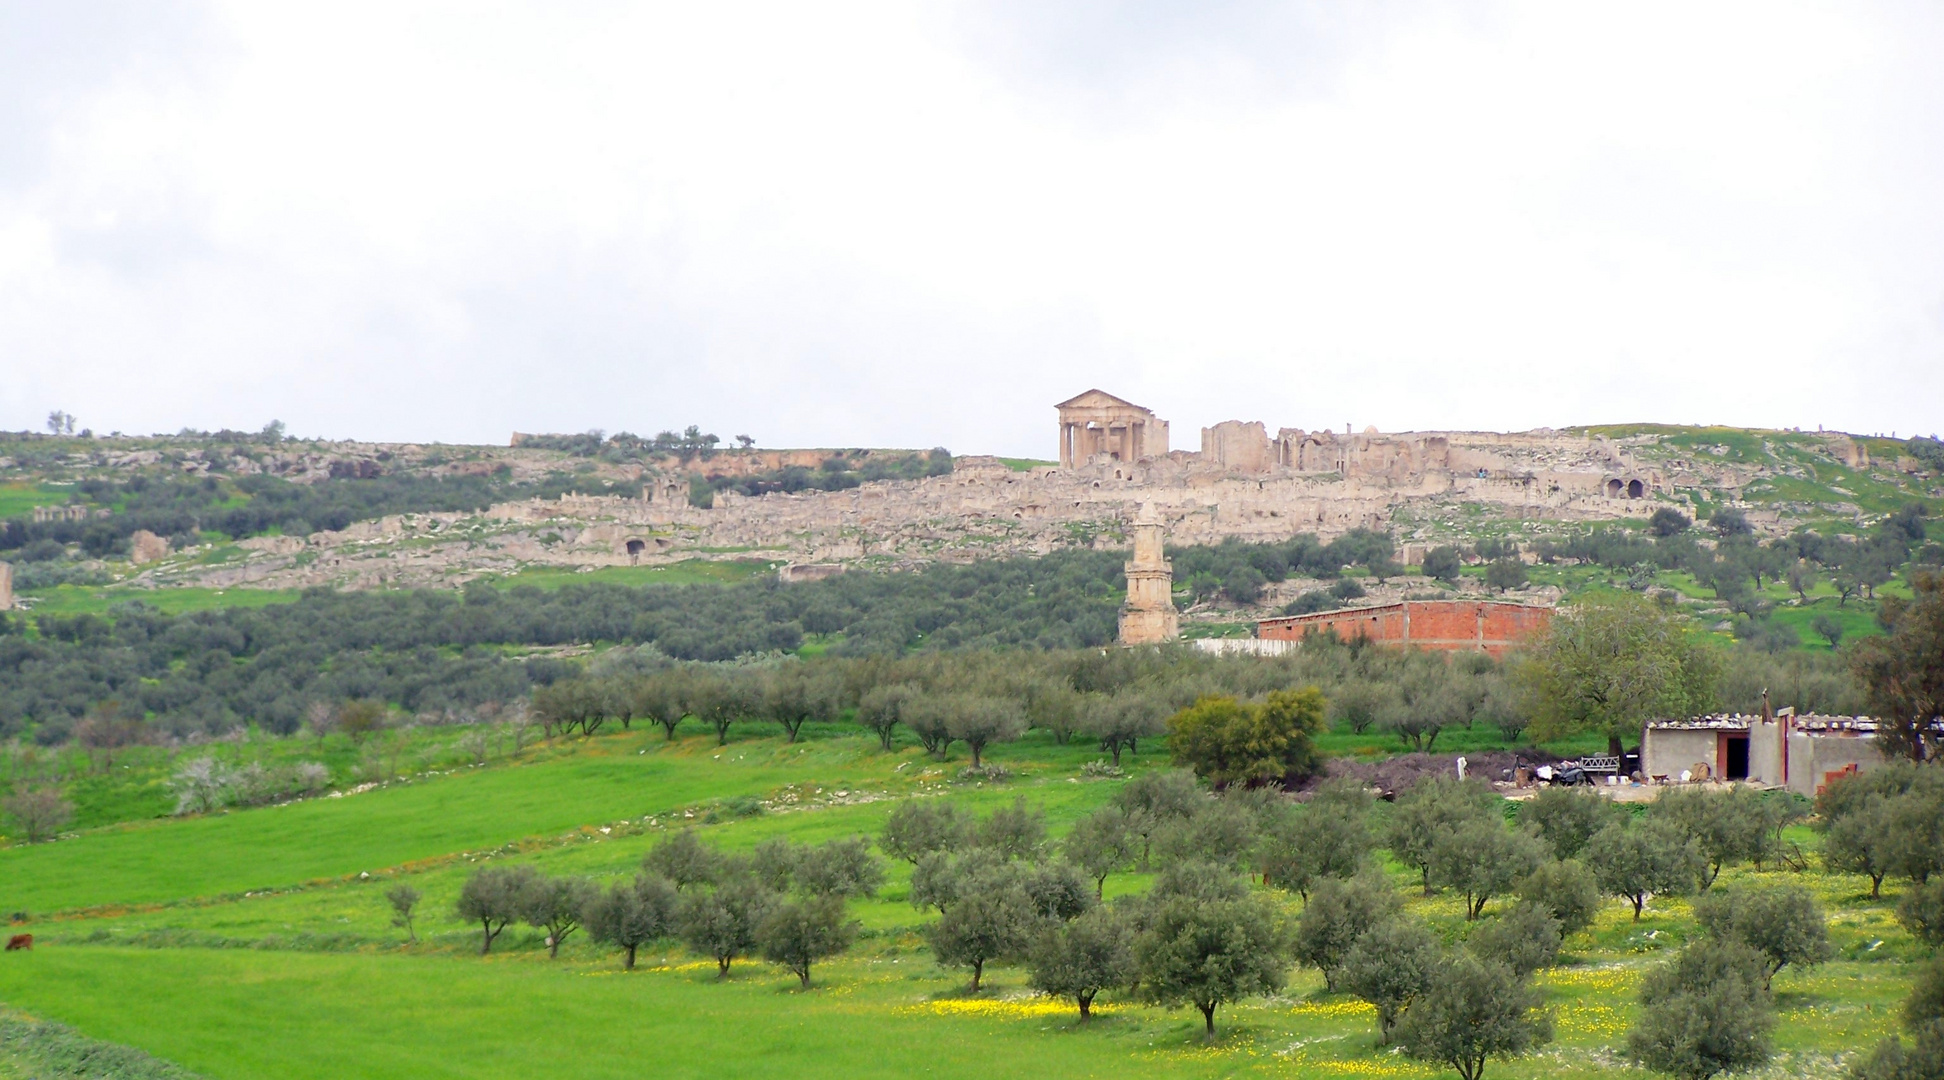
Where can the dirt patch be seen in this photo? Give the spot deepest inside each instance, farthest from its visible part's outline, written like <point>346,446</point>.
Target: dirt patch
<point>1391,776</point>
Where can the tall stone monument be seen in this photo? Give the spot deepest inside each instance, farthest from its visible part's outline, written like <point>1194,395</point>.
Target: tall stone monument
<point>6,586</point>
<point>1148,616</point>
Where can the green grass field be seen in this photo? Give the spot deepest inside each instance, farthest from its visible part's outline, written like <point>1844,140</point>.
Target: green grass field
<point>258,943</point>
<point>17,499</point>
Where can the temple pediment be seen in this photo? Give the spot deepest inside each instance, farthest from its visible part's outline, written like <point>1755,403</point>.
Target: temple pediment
<point>1098,399</point>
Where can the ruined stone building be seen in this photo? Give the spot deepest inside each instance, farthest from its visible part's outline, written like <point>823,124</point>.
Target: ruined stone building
<point>1114,461</point>
<point>1148,615</point>
<point>1097,426</point>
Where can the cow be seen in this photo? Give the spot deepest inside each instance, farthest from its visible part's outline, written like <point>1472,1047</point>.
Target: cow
<point>20,941</point>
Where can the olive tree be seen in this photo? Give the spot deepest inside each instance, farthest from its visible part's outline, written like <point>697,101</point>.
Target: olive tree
<point>1431,808</point>
<point>990,917</point>
<point>1100,844</point>
<point>882,708</point>
<point>796,933</point>
<point>555,904</point>
<point>1472,1011</point>
<point>1389,966</point>
<point>683,859</point>
<point>1567,891</point>
<point>1727,826</point>
<point>918,827</point>
<point>1208,952</point>
<point>1329,838</point>
<point>1153,799</point>
<point>1567,817</point>
<point>1921,911</point>
<point>1080,958</point>
<point>1481,858</point>
<point>795,694</point>
<point>1015,832</point>
<point>1783,923</point>
<point>1861,842</point>
<point>1120,721</point>
<point>1338,913</point>
<point>1633,862</point>
<point>842,868</point>
<point>1524,938</point>
<point>1703,1012</point>
<point>722,922</point>
<point>491,897</point>
<point>404,902</point>
<point>632,914</point>
<point>979,721</point>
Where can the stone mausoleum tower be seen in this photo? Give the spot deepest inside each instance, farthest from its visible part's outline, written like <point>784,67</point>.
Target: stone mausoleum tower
<point>1148,616</point>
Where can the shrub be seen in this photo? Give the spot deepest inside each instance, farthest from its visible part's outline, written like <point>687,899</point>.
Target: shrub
<point>1390,965</point>
<point>1524,938</point>
<point>1784,924</point>
<point>1567,890</point>
<point>1703,1012</point>
<point>1472,1011</point>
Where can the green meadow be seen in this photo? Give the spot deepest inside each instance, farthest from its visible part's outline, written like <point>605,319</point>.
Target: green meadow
<point>258,943</point>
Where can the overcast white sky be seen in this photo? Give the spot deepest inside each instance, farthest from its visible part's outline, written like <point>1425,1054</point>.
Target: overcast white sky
<point>912,225</point>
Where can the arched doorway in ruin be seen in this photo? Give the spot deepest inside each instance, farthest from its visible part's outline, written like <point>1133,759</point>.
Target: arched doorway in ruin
<point>1614,489</point>
<point>635,547</point>
<point>1635,489</point>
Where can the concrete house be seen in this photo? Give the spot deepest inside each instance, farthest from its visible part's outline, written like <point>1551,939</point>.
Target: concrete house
<point>1801,753</point>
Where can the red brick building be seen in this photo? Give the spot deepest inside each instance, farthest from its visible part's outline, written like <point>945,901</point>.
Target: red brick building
<point>1490,626</point>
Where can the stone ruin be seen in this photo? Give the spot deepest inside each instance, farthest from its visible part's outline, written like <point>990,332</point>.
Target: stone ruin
<point>1114,461</point>
<point>1148,616</point>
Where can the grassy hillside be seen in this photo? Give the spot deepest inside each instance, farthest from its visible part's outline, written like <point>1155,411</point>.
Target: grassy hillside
<point>174,957</point>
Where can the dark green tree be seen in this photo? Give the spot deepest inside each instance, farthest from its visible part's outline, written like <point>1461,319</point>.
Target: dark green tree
<point>1338,913</point>
<point>629,915</point>
<point>918,827</point>
<point>797,933</point>
<point>1389,966</point>
<point>1703,1012</point>
<point>722,922</point>
<point>1080,958</point>
<point>555,904</point>
<point>1783,923</point>
<point>1473,1011</point>
<point>1650,858</point>
<point>1567,890</point>
<point>1227,742</point>
<point>491,897</point>
<point>1443,563</point>
<point>1902,672</point>
<point>1210,952</point>
<point>1612,663</point>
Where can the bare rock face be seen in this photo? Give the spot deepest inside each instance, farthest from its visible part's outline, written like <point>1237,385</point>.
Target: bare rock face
<point>273,545</point>
<point>146,547</point>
